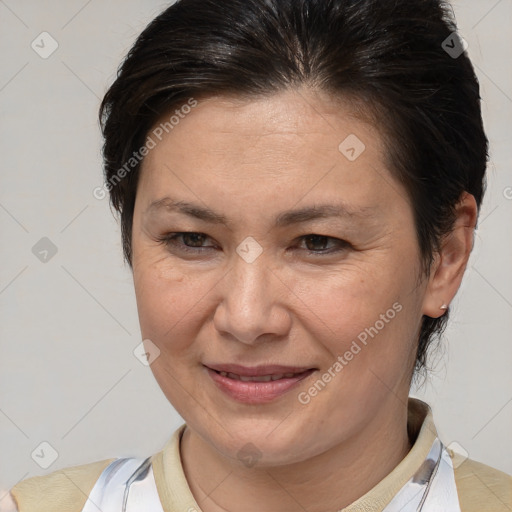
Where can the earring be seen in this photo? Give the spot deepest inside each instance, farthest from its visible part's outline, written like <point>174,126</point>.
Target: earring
<point>444,307</point>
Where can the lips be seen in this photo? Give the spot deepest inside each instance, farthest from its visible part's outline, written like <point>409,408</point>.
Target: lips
<point>255,371</point>
<point>257,384</point>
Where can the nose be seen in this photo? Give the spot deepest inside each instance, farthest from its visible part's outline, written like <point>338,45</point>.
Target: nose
<point>253,304</point>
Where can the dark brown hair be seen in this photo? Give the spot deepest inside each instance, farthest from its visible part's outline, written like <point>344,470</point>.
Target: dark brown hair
<point>399,57</point>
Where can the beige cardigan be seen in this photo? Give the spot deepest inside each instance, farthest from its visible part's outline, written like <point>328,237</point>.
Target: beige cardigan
<point>480,487</point>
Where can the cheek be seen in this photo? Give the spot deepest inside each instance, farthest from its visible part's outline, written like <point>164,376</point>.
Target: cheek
<point>351,298</point>
<point>368,315</point>
<point>169,306</point>
<point>167,301</point>
<point>369,341</point>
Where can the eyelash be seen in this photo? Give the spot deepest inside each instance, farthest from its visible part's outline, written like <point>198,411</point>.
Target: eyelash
<point>170,240</point>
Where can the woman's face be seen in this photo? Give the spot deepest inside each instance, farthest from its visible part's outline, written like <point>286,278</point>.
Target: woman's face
<point>251,286</point>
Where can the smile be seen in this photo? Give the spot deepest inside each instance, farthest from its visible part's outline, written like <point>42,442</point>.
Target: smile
<point>261,378</point>
<point>257,385</point>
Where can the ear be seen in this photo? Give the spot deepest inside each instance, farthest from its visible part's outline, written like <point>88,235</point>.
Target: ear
<point>450,263</point>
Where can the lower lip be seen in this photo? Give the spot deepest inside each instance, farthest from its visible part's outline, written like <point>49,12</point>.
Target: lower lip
<point>256,392</point>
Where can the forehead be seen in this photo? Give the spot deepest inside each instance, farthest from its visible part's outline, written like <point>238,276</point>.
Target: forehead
<point>289,148</point>
<point>285,116</point>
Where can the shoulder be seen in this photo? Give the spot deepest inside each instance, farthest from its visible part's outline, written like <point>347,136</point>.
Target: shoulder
<point>480,487</point>
<point>65,489</point>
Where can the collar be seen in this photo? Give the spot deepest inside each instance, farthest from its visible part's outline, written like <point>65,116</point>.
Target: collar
<point>422,433</point>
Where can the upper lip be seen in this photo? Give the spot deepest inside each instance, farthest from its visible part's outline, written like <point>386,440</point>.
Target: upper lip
<point>256,371</point>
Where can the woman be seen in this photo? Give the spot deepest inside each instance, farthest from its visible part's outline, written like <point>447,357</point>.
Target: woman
<point>298,183</point>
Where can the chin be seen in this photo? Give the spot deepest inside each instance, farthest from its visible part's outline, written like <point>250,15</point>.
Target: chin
<point>255,443</point>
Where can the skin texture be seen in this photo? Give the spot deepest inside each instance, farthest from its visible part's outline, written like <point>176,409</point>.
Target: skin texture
<point>7,503</point>
<point>250,161</point>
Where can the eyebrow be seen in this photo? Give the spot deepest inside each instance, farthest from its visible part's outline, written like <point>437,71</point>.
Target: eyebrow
<point>283,219</point>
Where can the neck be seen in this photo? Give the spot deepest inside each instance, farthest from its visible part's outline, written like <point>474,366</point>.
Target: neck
<point>329,481</point>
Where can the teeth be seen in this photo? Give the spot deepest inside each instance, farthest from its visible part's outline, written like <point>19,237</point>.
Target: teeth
<point>260,378</point>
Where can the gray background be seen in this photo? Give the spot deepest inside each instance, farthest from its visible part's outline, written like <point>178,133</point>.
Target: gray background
<point>69,325</point>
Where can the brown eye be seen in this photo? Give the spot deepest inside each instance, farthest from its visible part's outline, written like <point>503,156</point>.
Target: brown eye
<point>193,239</point>
<point>186,241</point>
<point>318,244</point>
